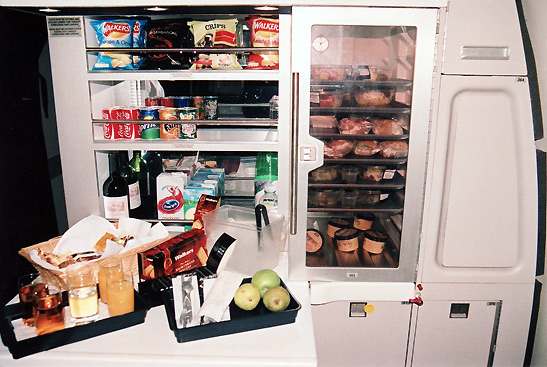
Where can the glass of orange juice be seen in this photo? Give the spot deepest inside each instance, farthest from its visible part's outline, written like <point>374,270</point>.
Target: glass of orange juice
<point>108,270</point>
<point>120,295</point>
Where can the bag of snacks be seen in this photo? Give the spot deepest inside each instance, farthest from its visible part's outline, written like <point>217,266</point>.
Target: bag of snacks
<point>169,33</point>
<point>264,33</point>
<point>114,33</point>
<point>215,33</point>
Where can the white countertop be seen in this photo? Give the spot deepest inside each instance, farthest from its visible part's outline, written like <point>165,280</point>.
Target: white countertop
<point>153,343</point>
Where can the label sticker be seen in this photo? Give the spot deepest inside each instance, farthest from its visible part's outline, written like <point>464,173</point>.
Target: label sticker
<point>64,26</point>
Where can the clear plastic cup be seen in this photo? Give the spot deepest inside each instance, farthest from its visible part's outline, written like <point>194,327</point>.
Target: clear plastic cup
<point>349,174</point>
<point>349,199</point>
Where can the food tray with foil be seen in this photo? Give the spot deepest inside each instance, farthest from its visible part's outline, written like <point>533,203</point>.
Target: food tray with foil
<point>393,204</point>
<point>240,320</point>
<point>22,341</point>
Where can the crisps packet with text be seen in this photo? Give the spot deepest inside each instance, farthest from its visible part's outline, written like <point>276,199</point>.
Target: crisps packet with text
<point>114,33</point>
<point>264,33</point>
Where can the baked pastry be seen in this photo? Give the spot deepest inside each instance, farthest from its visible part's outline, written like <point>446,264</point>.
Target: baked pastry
<point>101,243</point>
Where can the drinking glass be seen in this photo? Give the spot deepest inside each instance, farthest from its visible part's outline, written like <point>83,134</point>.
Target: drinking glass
<point>83,300</point>
<point>120,295</point>
<point>30,288</point>
<point>108,270</point>
<point>49,315</point>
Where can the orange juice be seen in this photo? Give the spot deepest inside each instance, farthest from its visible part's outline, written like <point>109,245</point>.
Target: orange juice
<point>106,273</point>
<point>120,297</point>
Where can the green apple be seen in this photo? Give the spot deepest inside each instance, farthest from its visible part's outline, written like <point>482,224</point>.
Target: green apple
<point>276,299</point>
<point>265,279</point>
<point>247,297</point>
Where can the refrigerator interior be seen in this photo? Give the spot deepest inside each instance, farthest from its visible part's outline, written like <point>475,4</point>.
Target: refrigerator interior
<point>362,141</point>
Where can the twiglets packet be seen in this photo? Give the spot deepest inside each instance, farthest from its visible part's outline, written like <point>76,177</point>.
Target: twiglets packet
<point>118,33</point>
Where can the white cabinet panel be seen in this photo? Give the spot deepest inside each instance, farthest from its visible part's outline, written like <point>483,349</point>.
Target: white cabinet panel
<point>454,333</point>
<point>377,338</point>
<point>483,38</point>
<point>481,219</point>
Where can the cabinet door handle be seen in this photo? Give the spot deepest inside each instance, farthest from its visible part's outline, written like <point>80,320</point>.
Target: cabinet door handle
<point>295,90</point>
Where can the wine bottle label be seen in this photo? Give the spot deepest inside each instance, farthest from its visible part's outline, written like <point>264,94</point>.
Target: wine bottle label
<point>116,207</point>
<point>134,195</point>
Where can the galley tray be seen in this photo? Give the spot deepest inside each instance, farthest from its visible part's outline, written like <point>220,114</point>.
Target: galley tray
<point>240,320</point>
<point>10,319</point>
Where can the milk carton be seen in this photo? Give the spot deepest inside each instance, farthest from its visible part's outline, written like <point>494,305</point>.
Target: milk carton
<point>170,189</point>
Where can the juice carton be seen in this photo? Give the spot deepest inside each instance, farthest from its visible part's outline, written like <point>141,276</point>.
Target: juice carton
<point>170,188</point>
<point>192,194</point>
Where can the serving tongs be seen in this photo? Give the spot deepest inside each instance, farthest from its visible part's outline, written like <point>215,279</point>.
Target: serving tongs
<point>261,212</point>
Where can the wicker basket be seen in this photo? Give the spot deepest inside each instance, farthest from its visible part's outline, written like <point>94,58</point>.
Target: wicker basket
<point>128,258</point>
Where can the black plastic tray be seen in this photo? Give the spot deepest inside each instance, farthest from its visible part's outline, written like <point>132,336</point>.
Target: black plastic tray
<point>241,320</point>
<point>69,335</point>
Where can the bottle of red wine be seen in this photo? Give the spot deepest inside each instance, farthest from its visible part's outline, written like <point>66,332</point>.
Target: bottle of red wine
<point>126,171</point>
<point>115,191</point>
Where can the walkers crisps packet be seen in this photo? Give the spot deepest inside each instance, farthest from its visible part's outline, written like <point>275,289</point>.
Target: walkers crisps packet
<point>118,33</point>
<point>264,33</point>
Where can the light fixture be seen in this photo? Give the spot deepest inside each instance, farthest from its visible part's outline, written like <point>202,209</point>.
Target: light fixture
<point>266,8</point>
<point>156,8</point>
<point>49,10</point>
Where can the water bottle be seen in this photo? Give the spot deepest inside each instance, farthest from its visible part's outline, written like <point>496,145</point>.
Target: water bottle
<point>269,199</point>
<point>266,172</point>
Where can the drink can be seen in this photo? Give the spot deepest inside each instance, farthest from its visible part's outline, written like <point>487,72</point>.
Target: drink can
<point>169,131</point>
<point>211,107</point>
<point>149,113</point>
<point>188,131</point>
<point>106,114</point>
<point>186,113</point>
<point>108,131</point>
<point>116,113</point>
<point>155,101</point>
<point>168,101</point>
<point>130,113</point>
<point>182,101</point>
<point>168,113</point>
<point>199,104</point>
<point>149,131</point>
<point>131,131</point>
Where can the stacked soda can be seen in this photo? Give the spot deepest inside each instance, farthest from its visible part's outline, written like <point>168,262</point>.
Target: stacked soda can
<point>167,118</point>
<point>121,130</point>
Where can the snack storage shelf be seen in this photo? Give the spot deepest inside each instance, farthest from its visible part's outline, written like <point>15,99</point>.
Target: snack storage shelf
<point>186,144</point>
<point>214,75</point>
<point>249,122</point>
<point>144,50</point>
